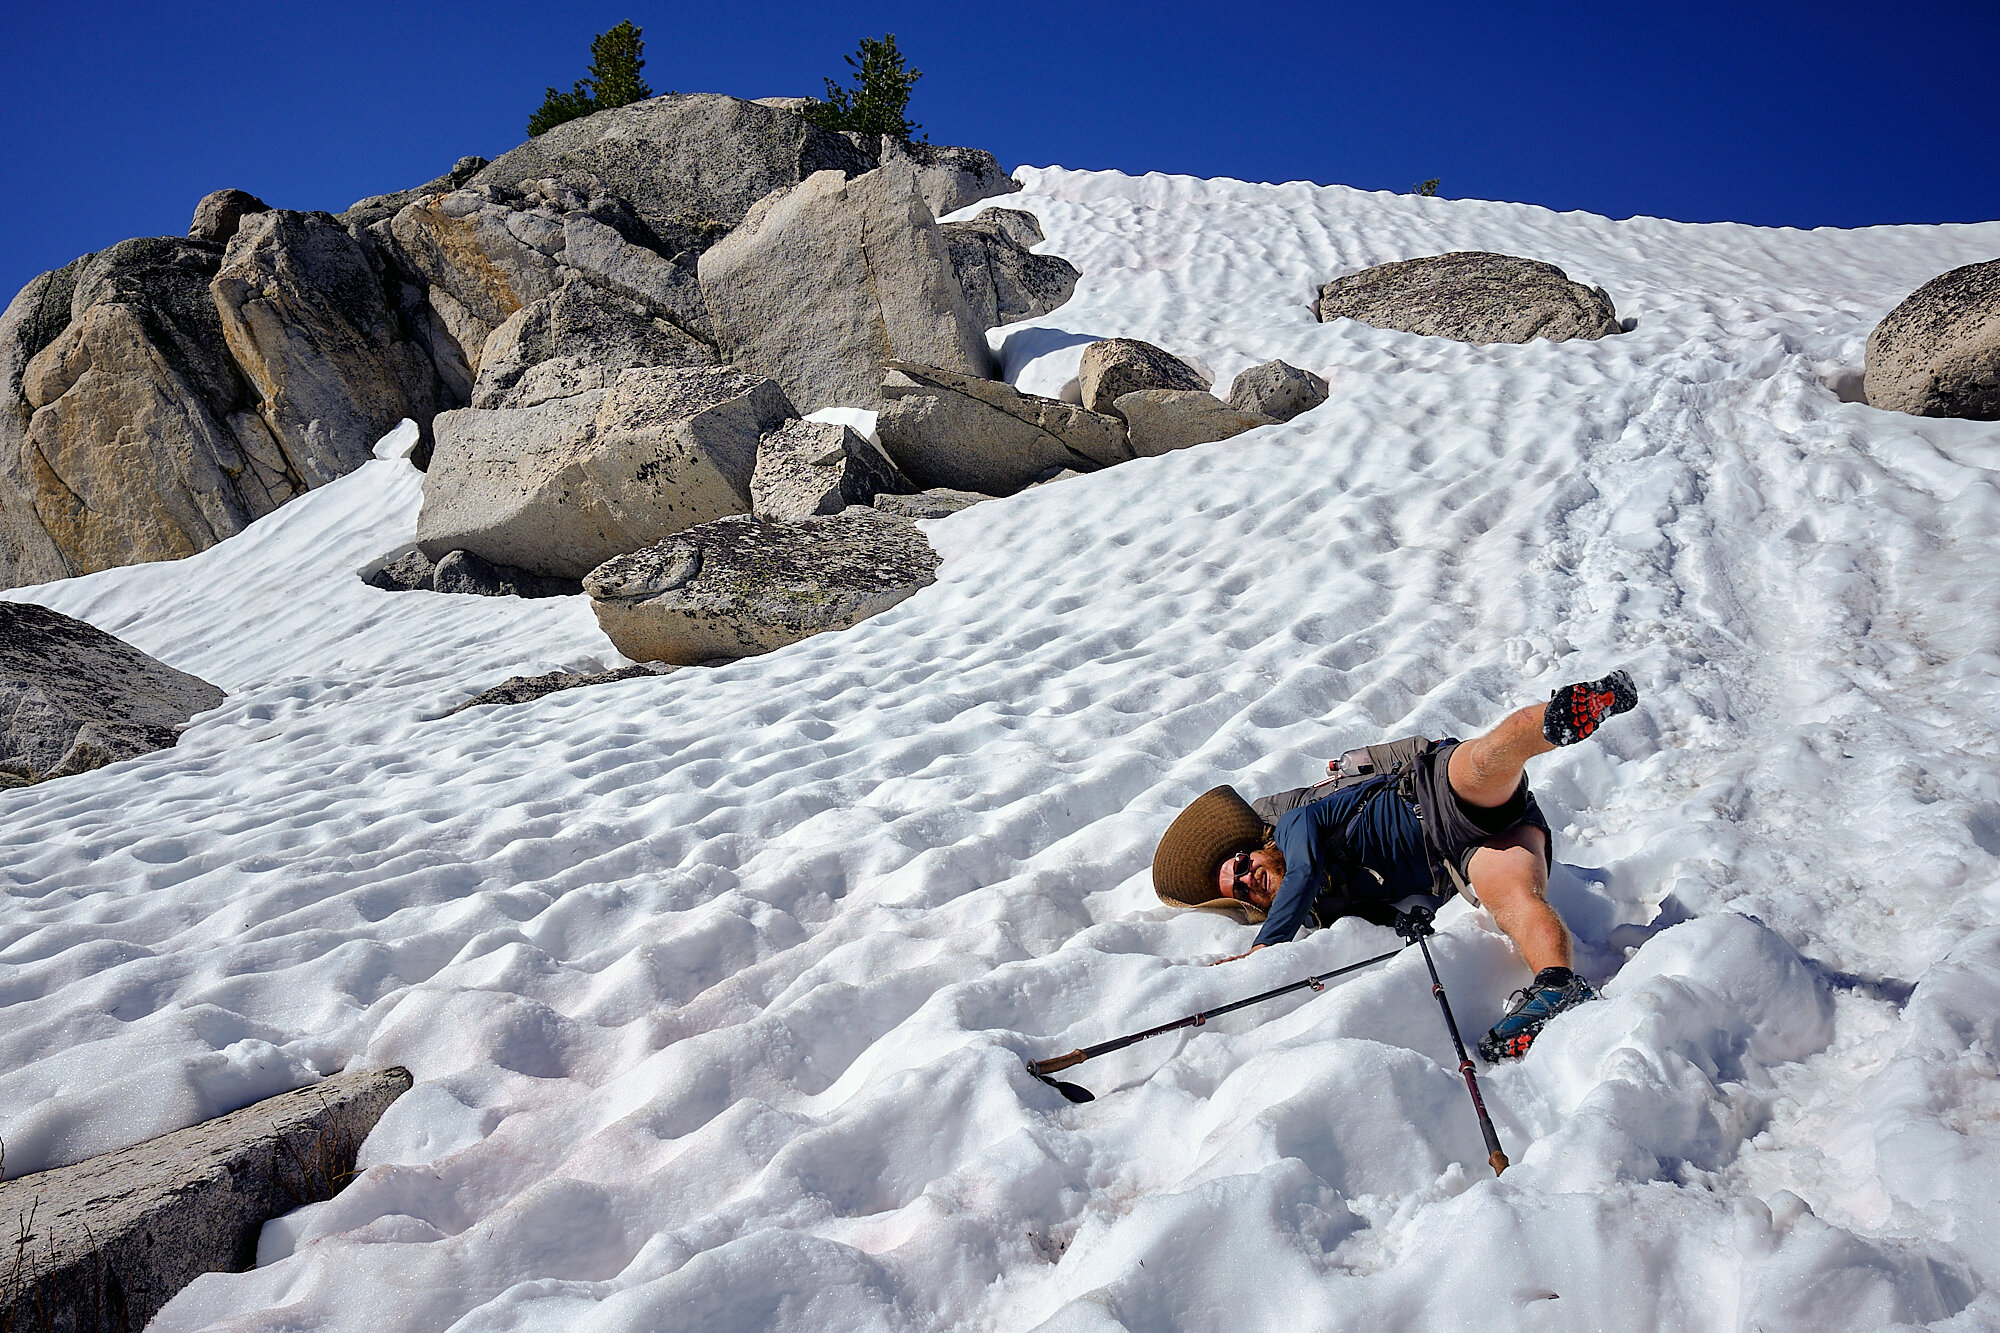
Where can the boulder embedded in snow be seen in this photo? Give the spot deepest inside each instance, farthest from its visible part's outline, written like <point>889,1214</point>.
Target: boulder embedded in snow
<point>309,325</point>
<point>808,468</point>
<point>558,488</point>
<point>1938,353</point>
<point>1114,367</point>
<point>409,572</point>
<point>937,502</point>
<point>465,573</point>
<point>74,698</point>
<point>1471,296</point>
<point>217,215</point>
<point>1277,390</point>
<point>949,178</point>
<point>945,429</point>
<point>1002,279</point>
<point>116,1236</point>
<point>128,432</point>
<point>823,284</point>
<point>742,586</point>
<point>578,337</point>
<point>527,689</point>
<point>690,165</point>
<point>1163,420</point>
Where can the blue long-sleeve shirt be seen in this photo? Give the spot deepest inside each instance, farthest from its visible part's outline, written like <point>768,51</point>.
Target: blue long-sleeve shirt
<point>1388,839</point>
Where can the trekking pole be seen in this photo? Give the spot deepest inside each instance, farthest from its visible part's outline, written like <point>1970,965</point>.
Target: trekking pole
<point>1041,1069</point>
<point>1414,925</point>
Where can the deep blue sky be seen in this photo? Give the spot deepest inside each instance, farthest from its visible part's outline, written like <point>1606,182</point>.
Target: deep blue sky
<point>119,116</point>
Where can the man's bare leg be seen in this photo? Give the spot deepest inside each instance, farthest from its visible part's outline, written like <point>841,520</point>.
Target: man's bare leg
<point>1486,770</point>
<point>1510,875</point>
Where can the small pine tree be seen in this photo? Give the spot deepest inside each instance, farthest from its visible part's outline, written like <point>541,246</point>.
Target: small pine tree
<point>1427,188</point>
<point>616,57</point>
<point>880,97</point>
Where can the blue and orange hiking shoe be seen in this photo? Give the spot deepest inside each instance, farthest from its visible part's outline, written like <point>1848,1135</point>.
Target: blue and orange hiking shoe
<point>1575,711</point>
<point>1553,990</point>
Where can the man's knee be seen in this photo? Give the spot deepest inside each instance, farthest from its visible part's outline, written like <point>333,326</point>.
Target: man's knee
<point>1511,871</point>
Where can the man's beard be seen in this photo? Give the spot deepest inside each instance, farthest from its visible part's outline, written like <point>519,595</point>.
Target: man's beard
<point>1275,857</point>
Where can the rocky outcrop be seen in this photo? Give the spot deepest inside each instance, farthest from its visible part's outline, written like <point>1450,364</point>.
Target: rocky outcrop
<point>114,1238</point>
<point>578,337</point>
<point>742,586</point>
<point>1471,296</point>
<point>1277,390</point>
<point>73,698</point>
<point>480,256</point>
<point>946,429</point>
<point>824,283</point>
<point>35,317</point>
<point>603,255</point>
<point>1114,367</point>
<point>217,215</point>
<point>808,468</point>
<point>1003,280</point>
<point>948,178</point>
<point>382,207</point>
<point>558,488</point>
<point>138,439</point>
<point>308,323</point>
<point>1162,420</point>
<point>1938,353</point>
<point>690,165</point>
<point>938,502</point>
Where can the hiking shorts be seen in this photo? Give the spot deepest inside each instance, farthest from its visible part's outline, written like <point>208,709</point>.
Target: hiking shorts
<point>1462,828</point>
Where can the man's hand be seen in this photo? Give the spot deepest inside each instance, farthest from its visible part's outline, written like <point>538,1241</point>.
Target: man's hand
<point>1233,957</point>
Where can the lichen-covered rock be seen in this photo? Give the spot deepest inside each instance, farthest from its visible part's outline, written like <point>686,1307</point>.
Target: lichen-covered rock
<point>823,284</point>
<point>558,488</point>
<point>937,502</point>
<point>1003,280</point>
<point>73,698</point>
<point>116,1236</point>
<point>578,337</point>
<point>1277,390</point>
<point>217,215</point>
<point>742,586</point>
<point>1163,420</point>
<point>1938,353</point>
<point>307,320</point>
<point>957,431</point>
<point>1114,367</point>
<point>808,468</point>
<point>1471,296</point>
<point>690,165</point>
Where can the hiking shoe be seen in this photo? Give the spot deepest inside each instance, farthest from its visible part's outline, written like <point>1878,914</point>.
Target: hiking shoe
<point>1575,711</point>
<point>1553,990</point>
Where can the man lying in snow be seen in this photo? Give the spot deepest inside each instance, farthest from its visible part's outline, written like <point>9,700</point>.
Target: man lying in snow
<point>1368,837</point>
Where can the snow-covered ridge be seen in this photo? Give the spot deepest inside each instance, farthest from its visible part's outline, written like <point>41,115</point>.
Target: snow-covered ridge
<point>716,986</point>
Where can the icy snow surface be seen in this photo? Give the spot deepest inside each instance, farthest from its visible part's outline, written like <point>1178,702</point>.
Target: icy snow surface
<point>717,986</point>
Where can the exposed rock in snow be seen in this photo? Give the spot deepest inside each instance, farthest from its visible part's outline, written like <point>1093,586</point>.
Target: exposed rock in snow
<point>1938,353</point>
<point>1473,297</point>
<point>964,433</point>
<point>808,468</point>
<point>1159,421</point>
<point>1002,280</point>
<point>1114,367</point>
<point>73,698</point>
<point>1277,390</point>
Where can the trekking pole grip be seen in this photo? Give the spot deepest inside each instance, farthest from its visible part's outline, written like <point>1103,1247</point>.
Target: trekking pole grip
<point>1055,1062</point>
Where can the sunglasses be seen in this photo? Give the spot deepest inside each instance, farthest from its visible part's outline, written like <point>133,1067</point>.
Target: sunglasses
<point>1239,872</point>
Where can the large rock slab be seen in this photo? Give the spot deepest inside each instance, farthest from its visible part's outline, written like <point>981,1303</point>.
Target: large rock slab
<point>1163,420</point>
<point>1114,367</point>
<point>480,257</point>
<point>1277,389</point>
<point>308,322</point>
<point>691,165</point>
<point>73,698</point>
<point>36,316</point>
<point>1938,353</point>
<point>742,586</point>
<point>217,215</point>
<point>950,430</point>
<point>114,1238</point>
<point>558,488</point>
<point>578,337</point>
<point>603,255</point>
<point>949,178</point>
<point>1471,296</point>
<point>1003,280</point>
<point>809,468</point>
<point>824,283</point>
<point>133,434</point>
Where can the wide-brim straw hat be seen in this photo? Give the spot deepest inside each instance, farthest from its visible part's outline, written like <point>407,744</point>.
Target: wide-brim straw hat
<point>1218,824</point>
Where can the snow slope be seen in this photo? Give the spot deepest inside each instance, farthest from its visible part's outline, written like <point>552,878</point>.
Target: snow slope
<point>717,986</point>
